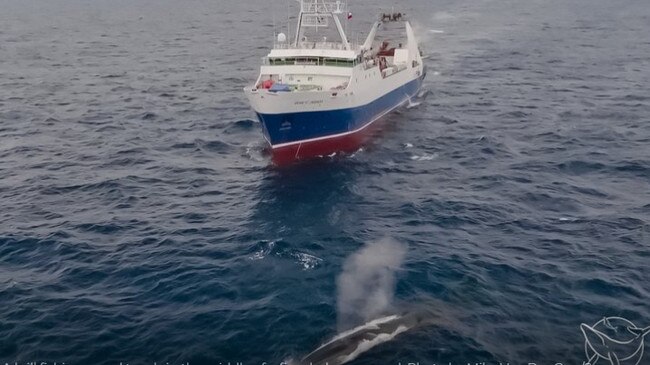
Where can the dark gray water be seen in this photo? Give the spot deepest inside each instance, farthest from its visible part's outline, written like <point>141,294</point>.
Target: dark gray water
<point>141,220</point>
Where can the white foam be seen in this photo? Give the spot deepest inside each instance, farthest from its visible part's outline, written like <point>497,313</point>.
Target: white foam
<point>263,252</point>
<point>355,152</point>
<point>424,157</point>
<point>290,361</point>
<point>413,104</point>
<point>567,219</point>
<point>307,261</point>
<point>436,31</point>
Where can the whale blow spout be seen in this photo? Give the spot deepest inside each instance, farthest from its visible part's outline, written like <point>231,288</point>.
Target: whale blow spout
<point>365,291</point>
<point>367,284</point>
<point>366,313</point>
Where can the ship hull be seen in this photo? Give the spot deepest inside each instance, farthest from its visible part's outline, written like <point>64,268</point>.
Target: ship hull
<point>306,135</point>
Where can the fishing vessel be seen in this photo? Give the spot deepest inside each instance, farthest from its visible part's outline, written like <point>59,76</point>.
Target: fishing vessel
<point>320,93</point>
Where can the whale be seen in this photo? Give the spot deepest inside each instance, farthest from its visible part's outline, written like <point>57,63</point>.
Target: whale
<point>619,350</point>
<point>348,345</point>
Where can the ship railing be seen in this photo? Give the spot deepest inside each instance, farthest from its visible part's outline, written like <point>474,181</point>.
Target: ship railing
<point>308,61</point>
<point>312,45</point>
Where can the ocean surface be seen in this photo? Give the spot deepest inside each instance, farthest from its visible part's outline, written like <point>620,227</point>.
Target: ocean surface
<point>141,220</point>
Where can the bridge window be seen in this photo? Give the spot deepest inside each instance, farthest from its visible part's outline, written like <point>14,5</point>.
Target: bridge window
<point>338,62</point>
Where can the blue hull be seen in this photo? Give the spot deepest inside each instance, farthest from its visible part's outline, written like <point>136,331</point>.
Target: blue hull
<point>297,127</point>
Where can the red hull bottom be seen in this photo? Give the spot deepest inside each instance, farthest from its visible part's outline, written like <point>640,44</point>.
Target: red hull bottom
<point>347,143</point>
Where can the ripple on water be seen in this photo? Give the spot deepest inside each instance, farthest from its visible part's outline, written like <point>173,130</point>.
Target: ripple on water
<point>142,221</point>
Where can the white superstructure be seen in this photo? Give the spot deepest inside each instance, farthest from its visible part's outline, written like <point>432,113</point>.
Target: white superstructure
<point>320,86</point>
<point>328,74</point>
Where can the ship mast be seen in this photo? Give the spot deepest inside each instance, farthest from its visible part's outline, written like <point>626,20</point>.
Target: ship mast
<point>315,14</point>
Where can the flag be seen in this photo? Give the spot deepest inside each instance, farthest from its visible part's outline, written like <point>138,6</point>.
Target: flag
<point>349,15</point>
